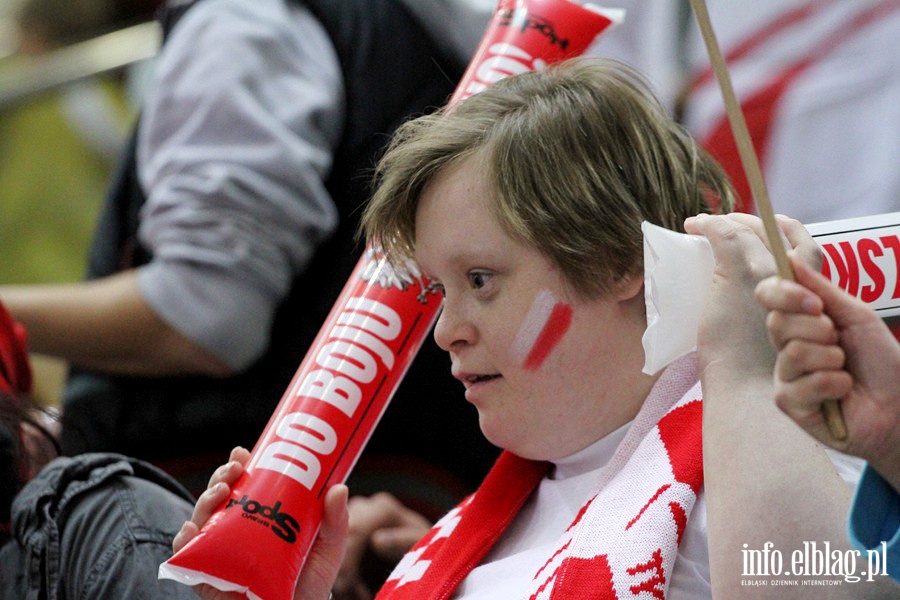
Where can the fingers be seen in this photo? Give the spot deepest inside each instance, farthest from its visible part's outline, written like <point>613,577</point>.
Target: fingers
<point>718,227</point>
<point>230,471</point>
<point>393,543</point>
<point>187,532</point>
<point>814,295</point>
<point>335,520</point>
<point>207,503</point>
<point>758,227</point>
<point>746,223</point>
<point>802,399</point>
<point>804,246</point>
<point>208,592</point>
<point>382,510</point>
<point>216,493</point>
<point>796,311</point>
<point>738,243</point>
<point>799,358</point>
<point>367,515</point>
<point>239,454</point>
<point>778,294</point>
<point>728,235</point>
<point>327,552</point>
<point>844,309</point>
<point>792,234</point>
<point>784,327</point>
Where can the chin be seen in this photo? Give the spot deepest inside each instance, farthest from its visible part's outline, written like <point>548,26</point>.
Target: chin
<point>510,441</point>
<point>497,435</point>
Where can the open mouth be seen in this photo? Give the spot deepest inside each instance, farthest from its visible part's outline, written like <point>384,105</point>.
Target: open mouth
<point>480,378</point>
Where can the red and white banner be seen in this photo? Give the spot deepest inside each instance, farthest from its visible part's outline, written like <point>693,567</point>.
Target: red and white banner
<point>862,256</point>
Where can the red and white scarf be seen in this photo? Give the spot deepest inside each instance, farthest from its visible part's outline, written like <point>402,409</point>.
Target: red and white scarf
<point>621,544</point>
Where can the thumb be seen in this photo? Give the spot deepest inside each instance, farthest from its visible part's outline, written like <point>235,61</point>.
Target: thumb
<point>324,559</point>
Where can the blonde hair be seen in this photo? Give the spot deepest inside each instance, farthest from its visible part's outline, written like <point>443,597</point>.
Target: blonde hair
<point>579,155</point>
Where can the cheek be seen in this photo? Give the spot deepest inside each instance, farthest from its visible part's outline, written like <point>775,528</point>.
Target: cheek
<point>544,326</point>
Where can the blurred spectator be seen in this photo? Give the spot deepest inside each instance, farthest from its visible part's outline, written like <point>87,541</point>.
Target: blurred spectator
<point>229,234</point>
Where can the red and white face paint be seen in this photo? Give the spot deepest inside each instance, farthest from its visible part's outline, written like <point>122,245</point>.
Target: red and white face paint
<point>543,328</point>
<point>257,541</point>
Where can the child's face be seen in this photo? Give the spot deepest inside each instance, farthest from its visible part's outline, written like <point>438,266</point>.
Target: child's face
<point>549,373</point>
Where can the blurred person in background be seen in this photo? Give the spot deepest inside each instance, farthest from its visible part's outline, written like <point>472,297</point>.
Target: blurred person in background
<point>228,234</point>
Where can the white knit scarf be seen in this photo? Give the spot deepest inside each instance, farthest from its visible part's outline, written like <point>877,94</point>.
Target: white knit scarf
<point>621,544</point>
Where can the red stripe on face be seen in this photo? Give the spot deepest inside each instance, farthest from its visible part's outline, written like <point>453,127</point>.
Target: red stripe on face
<point>554,329</point>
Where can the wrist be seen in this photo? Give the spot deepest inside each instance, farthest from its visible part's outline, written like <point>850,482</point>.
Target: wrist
<point>739,365</point>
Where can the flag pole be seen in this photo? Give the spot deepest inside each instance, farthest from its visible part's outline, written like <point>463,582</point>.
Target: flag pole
<point>750,162</point>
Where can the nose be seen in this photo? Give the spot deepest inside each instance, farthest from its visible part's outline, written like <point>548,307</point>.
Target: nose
<point>453,329</point>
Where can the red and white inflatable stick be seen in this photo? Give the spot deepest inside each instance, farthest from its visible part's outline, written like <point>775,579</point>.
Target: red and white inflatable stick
<point>527,35</point>
<point>257,541</point>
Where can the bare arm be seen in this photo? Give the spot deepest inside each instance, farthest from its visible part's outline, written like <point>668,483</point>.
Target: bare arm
<point>766,480</point>
<point>105,325</point>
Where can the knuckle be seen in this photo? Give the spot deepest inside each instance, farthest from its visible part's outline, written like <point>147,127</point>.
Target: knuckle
<point>793,352</point>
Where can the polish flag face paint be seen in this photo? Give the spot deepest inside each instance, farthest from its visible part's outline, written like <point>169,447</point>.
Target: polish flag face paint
<point>544,326</point>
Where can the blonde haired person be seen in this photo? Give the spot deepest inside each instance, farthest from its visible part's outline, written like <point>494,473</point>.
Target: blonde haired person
<point>523,205</point>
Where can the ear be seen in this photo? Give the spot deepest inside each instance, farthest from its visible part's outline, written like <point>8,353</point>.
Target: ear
<point>629,287</point>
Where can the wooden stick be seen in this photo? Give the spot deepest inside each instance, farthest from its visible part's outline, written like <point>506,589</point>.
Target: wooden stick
<point>750,162</point>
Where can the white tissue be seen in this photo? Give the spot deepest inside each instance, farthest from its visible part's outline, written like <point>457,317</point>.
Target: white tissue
<point>861,256</point>
<point>678,271</point>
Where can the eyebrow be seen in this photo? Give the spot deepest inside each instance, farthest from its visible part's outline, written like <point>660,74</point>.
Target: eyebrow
<point>466,259</point>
